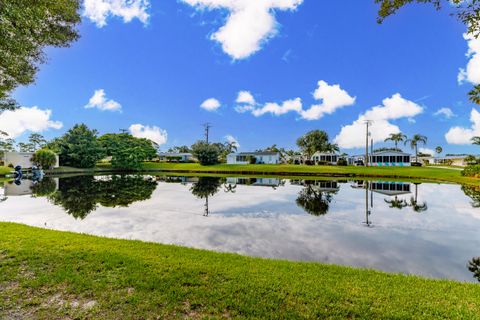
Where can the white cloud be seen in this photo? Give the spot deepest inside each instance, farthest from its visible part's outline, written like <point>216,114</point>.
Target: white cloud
<point>232,139</point>
<point>277,109</point>
<point>155,134</point>
<point>393,108</point>
<point>100,101</point>
<point>211,104</point>
<point>250,23</point>
<point>427,151</point>
<point>332,96</point>
<point>460,135</point>
<point>445,112</point>
<point>472,71</point>
<point>98,11</point>
<point>17,122</point>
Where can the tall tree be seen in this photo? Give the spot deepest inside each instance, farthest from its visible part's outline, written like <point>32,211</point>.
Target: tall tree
<point>438,149</point>
<point>37,141</point>
<point>27,27</point>
<point>476,141</point>
<point>313,141</point>
<point>415,141</point>
<point>467,11</point>
<point>79,147</point>
<point>396,138</point>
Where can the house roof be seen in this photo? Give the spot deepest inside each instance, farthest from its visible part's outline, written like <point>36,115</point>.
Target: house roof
<point>174,154</point>
<point>266,153</point>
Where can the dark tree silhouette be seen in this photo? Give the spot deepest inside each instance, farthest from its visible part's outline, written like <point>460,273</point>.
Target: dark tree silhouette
<point>474,267</point>
<point>314,202</point>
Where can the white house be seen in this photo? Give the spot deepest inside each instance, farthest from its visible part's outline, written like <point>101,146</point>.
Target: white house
<point>454,160</point>
<point>325,157</point>
<point>254,157</point>
<point>389,159</point>
<point>23,159</point>
<point>175,157</point>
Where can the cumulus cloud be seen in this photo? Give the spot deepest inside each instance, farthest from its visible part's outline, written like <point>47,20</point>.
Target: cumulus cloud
<point>98,11</point>
<point>393,108</point>
<point>460,135</point>
<point>332,96</point>
<point>250,23</point>
<point>99,100</point>
<point>211,104</point>
<point>445,112</point>
<point>19,121</point>
<point>279,109</point>
<point>153,133</point>
<point>472,72</point>
<point>232,139</point>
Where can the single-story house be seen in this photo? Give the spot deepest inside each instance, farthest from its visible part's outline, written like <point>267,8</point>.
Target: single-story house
<point>453,160</point>
<point>23,159</point>
<point>325,157</point>
<point>175,157</point>
<point>254,157</point>
<point>390,188</point>
<point>389,159</point>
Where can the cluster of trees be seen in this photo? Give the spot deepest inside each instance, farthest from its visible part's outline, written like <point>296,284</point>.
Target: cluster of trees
<point>82,147</point>
<point>208,153</point>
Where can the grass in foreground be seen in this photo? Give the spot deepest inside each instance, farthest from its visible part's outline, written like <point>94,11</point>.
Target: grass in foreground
<point>48,275</point>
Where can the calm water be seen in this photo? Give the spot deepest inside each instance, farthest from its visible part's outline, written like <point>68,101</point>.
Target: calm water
<point>425,229</point>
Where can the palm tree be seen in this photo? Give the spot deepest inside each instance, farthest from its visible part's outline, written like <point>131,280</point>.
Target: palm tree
<point>476,141</point>
<point>414,141</point>
<point>396,138</point>
<point>438,149</point>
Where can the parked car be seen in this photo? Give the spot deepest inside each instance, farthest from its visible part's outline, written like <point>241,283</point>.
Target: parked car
<point>359,163</point>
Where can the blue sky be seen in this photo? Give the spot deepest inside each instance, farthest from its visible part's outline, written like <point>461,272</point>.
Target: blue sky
<point>158,62</point>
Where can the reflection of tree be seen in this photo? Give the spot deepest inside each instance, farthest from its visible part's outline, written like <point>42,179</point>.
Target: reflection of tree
<point>397,203</point>
<point>417,206</point>
<point>44,187</point>
<point>474,193</point>
<point>79,196</point>
<point>206,187</point>
<point>474,267</point>
<point>313,201</point>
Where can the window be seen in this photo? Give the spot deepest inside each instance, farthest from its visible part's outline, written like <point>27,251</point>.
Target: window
<point>406,159</point>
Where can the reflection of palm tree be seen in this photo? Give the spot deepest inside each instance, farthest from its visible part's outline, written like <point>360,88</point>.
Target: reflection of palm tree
<point>473,193</point>
<point>229,188</point>
<point>314,202</point>
<point>416,206</point>
<point>474,267</point>
<point>397,203</point>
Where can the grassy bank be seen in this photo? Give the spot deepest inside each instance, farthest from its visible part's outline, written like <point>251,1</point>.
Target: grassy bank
<point>48,274</point>
<point>426,173</point>
<point>5,170</point>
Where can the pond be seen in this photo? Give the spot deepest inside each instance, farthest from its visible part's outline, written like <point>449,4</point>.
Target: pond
<point>424,229</point>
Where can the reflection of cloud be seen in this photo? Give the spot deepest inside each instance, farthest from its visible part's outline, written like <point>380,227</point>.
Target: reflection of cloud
<point>261,221</point>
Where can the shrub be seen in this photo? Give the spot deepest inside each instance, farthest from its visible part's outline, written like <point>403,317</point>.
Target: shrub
<point>342,162</point>
<point>472,171</point>
<point>207,154</point>
<point>44,158</point>
<point>252,160</point>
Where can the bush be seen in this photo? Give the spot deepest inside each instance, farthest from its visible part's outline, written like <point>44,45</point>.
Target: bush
<point>44,158</point>
<point>472,171</point>
<point>342,162</point>
<point>252,160</point>
<point>207,154</point>
<point>309,162</point>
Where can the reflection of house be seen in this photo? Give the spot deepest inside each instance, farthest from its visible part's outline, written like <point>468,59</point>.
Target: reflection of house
<point>177,179</point>
<point>254,157</point>
<point>22,159</point>
<point>26,187</point>
<point>175,157</point>
<point>263,182</point>
<point>319,185</point>
<point>390,188</point>
<point>389,159</point>
<point>325,157</point>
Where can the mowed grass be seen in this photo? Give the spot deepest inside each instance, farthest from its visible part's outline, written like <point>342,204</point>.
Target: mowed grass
<point>54,275</point>
<point>426,173</point>
<point>5,170</point>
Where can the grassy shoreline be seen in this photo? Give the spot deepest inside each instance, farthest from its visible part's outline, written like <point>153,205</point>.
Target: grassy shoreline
<point>431,174</point>
<point>48,274</point>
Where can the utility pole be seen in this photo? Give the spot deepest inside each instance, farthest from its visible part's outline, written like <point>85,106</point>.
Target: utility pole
<point>368,123</point>
<point>207,127</point>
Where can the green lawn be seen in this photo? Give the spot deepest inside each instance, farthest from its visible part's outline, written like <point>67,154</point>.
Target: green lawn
<point>427,173</point>
<point>51,275</point>
<point>5,170</point>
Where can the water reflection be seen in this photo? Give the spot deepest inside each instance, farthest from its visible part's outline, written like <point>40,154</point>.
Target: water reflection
<point>316,196</point>
<point>79,196</point>
<point>474,194</point>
